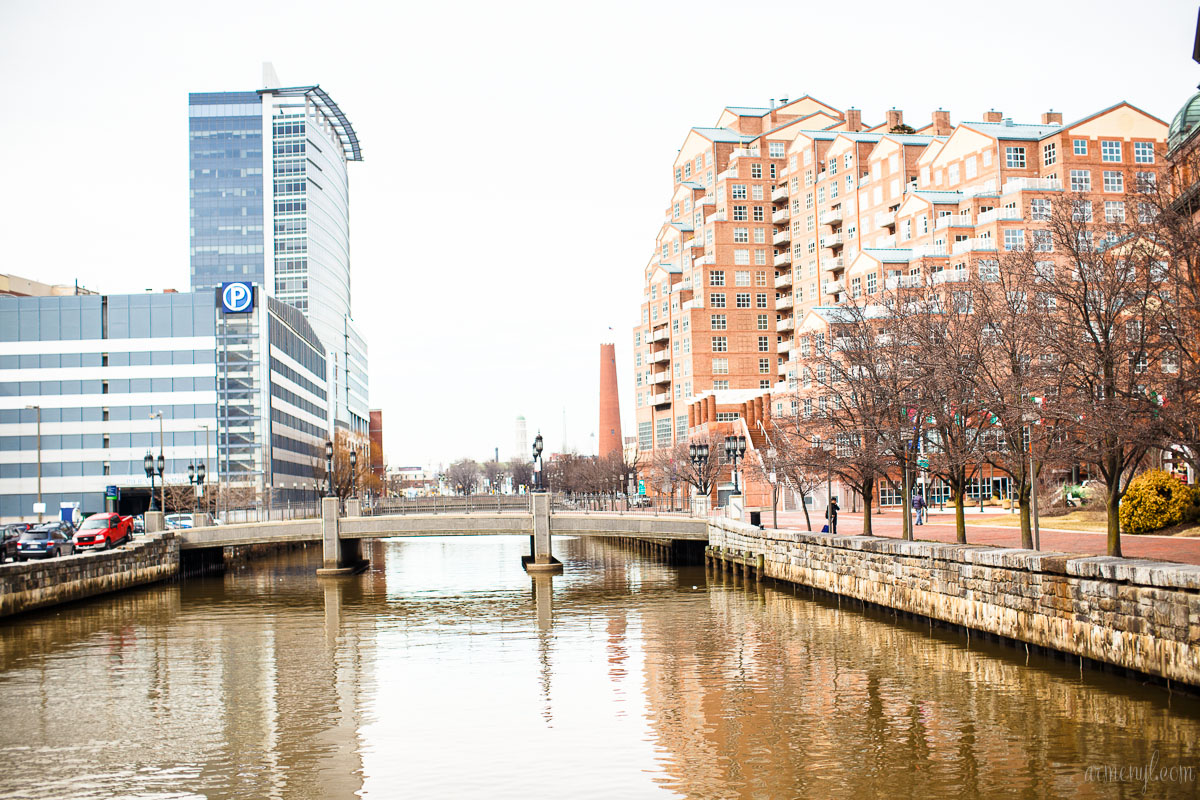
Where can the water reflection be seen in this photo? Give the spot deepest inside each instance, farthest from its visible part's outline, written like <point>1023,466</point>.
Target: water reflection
<point>446,671</point>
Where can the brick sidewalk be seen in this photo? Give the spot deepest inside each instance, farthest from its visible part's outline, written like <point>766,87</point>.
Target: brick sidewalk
<point>940,528</point>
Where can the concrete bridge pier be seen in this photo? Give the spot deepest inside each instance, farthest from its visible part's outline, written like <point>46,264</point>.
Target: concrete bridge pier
<point>340,556</point>
<point>540,558</point>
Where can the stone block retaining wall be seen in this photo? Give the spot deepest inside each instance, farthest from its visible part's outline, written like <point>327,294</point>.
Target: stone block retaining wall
<point>39,583</point>
<point>1136,614</point>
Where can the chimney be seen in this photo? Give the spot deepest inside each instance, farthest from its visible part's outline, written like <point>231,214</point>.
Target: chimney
<point>1052,117</point>
<point>993,116</point>
<point>772,103</point>
<point>941,123</point>
<point>853,120</point>
<point>894,117</point>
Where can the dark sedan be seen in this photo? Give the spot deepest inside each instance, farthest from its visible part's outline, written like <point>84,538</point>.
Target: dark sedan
<point>45,541</point>
<point>11,536</point>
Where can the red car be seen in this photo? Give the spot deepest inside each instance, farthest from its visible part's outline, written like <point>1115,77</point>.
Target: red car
<point>102,531</point>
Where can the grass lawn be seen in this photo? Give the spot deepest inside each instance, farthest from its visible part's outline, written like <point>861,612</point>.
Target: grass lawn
<point>1081,520</point>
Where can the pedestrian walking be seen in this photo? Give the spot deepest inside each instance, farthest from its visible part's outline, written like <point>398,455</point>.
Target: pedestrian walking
<point>919,506</point>
<point>831,514</point>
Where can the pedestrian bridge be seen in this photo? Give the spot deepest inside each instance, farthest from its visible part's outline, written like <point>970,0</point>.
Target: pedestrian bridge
<point>342,535</point>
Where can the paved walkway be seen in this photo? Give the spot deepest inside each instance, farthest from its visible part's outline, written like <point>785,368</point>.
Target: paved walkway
<point>940,528</point>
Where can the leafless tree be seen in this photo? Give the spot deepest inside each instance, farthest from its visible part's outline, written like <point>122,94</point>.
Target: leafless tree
<point>521,472</point>
<point>463,475</point>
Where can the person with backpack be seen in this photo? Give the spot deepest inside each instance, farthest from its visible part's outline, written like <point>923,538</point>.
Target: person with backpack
<point>831,514</point>
<point>919,506</point>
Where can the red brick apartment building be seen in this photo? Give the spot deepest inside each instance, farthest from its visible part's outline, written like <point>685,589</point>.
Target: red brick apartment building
<point>776,213</point>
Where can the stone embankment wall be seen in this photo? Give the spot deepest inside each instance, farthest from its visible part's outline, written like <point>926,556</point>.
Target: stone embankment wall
<point>1139,615</point>
<point>37,584</point>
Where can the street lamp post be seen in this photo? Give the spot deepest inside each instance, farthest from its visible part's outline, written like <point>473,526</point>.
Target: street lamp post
<point>698,453</point>
<point>192,482</point>
<point>328,468</point>
<point>735,449</point>
<point>537,460</point>
<point>162,486</point>
<point>148,465</point>
<point>354,473</point>
<point>38,409</point>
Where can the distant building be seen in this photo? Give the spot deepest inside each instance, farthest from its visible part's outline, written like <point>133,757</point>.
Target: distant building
<point>270,205</point>
<point>377,465</point>
<point>16,286</point>
<point>521,439</point>
<point>242,392</point>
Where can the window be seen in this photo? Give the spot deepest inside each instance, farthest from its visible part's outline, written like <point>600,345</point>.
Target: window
<point>720,344</point>
<point>1081,211</point>
<point>1110,151</point>
<point>1170,361</point>
<point>743,299</point>
<point>1114,211</point>
<point>1043,241</point>
<point>775,149</point>
<point>1114,181</point>
<point>760,258</point>
<point>764,365</point>
<point>760,277</point>
<point>756,170</point>
<point>989,271</point>
<point>1080,146</point>
<point>1146,182</point>
<point>720,385</point>
<point>737,191</point>
<point>760,300</point>
<point>678,175</point>
<point>855,287</point>
<point>717,300</point>
<point>741,235</point>
<point>871,283</point>
<point>718,322</point>
<point>953,170</point>
<point>1014,157</point>
<point>741,257</point>
<point>1143,152</point>
<point>740,214</point>
<point>720,366</point>
<point>1014,239</point>
<point>1146,213</point>
<point>716,277</point>
<point>764,344</point>
<point>759,214</point>
<point>1039,209</point>
<point>756,192</point>
<point>1081,180</point>
<point>742,277</point>
<point>762,322</point>
<point>1049,154</point>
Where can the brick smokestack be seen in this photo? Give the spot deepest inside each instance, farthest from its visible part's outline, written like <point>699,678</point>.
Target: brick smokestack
<point>993,116</point>
<point>610,406</point>
<point>894,117</point>
<point>941,123</point>
<point>1052,118</point>
<point>853,120</point>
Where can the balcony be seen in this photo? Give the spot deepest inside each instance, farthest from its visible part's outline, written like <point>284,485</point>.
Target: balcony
<point>783,259</point>
<point>930,251</point>
<point>830,217</point>
<point>785,325</point>
<point>783,302</point>
<point>747,152</point>
<point>978,243</point>
<point>832,240</point>
<point>835,263</point>
<point>785,346</point>
<point>717,217</point>
<point>729,173</point>
<point>703,261</point>
<point>953,221</point>
<point>660,335</point>
<point>948,276</point>
<point>885,219</point>
<point>998,214</point>
<point>661,357</point>
<point>779,194</point>
<point>980,189</point>
<point>707,200</point>
<point>903,282</point>
<point>781,215</point>
<point>661,399</point>
<point>661,377</point>
<point>865,179</point>
<point>833,287</point>
<point>783,280</point>
<point>886,242</point>
<point>1032,185</point>
<point>820,176</point>
<point>783,236</point>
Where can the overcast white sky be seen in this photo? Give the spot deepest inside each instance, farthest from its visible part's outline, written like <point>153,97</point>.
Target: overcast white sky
<point>517,155</point>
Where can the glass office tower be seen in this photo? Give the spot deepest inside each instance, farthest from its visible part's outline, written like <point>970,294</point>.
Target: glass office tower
<point>270,204</point>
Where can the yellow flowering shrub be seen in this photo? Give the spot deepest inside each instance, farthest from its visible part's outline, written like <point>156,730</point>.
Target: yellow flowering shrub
<point>1155,499</point>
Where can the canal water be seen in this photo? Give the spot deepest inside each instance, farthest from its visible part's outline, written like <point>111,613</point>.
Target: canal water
<point>446,672</point>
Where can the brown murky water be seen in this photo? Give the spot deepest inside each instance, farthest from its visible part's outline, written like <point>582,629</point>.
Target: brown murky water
<point>446,672</point>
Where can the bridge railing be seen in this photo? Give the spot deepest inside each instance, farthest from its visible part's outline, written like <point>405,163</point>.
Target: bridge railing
<point>618,504</point>
<point>452,504</point>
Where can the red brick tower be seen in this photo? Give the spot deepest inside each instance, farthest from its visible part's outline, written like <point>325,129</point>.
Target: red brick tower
<point>610,405</point>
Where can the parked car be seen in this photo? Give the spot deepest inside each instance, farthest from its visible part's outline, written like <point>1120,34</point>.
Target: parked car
<point>49,540</point>
<point>11,536</point>
<point>102,531</point>
<point>178,521</point>
<point>139,524</point>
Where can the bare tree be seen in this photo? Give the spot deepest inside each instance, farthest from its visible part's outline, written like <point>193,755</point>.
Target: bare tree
<point>796,461</point>
<point>521,472</point>
<point>491,473</point>
<point>463,475</point>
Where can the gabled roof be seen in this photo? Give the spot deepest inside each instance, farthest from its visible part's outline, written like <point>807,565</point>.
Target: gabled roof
<point>723,135</point>
<point>748,111</point>
<point>1001,130</point>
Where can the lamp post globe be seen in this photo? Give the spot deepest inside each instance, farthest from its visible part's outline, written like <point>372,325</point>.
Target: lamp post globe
<point>191,473</point>
<point>148,464</point>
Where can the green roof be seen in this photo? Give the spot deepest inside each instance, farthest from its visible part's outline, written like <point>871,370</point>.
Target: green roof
<point>1185,123</point>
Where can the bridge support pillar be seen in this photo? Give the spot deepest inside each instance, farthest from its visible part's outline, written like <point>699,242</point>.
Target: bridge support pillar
<point>339,557</point>
<point>353,507</point>
<point>156,521</point>
<point>540,558</point>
